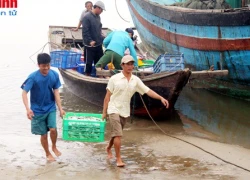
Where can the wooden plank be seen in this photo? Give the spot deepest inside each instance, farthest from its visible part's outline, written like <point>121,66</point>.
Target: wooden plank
<point>67,32</point>
<point>63,35</point>
<point>208,74</point>
<point>77,34</point>
<point>105,73</point>
<point>55,36</point>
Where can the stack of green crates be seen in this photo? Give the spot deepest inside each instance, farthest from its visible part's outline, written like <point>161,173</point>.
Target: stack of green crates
<point>83,127</point>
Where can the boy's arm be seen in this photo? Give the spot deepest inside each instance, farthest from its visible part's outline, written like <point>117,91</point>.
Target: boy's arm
<point>58,102</point>
<point>30,113</point>
<point>80,21</point>
<point>105,104</point>
<point>78,26</point>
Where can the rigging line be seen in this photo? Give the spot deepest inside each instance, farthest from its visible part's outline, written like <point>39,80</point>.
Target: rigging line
<point>42,48</point>
<point>189,142</point>
<point>120,14</point>
<point>37,52</point>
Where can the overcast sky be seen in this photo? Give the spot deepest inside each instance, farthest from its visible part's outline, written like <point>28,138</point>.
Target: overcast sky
<point>23,34</point>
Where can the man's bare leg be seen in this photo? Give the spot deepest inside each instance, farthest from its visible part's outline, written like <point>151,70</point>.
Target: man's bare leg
<point>45,144</point>
<point>117,144</point>
<point>53,137</point>
<point>108,148</point>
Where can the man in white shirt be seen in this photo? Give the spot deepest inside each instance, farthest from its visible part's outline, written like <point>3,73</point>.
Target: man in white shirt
<point>116,106</point>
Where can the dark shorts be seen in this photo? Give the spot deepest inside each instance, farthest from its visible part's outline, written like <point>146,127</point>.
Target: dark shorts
<point>109,56</point>
<point>117,124</point>
<point>40,124</point>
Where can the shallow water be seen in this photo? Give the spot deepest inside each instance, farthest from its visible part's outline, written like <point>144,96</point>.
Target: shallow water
<point>228,119</point>
<point>201,117</point>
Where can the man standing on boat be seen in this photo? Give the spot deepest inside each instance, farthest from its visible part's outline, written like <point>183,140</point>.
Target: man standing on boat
<point>92,36</point>
<point>88,6</point>
<point>43,85</point>
<point>116,106</point>
<point>116,43</point>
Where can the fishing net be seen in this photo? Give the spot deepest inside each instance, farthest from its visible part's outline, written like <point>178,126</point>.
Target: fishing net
<point>203,4</point>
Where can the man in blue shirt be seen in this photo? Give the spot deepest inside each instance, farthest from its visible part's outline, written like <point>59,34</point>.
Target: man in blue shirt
<point>116,43</point>
<point>43,85</point>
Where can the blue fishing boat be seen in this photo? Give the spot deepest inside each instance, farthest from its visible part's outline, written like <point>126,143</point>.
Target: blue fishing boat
<point>209,39</point>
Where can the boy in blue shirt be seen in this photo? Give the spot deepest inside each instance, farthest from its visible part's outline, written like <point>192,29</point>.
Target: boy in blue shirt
<point>43,85</point>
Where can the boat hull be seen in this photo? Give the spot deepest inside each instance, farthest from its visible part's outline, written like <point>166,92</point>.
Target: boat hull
<point>221,40</point>
<point>93,90</point>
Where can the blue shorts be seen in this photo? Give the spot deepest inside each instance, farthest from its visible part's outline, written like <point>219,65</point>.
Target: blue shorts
<point>40,124</point>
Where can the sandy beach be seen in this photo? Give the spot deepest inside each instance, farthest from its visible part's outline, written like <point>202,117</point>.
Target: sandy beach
<point>147,152</point>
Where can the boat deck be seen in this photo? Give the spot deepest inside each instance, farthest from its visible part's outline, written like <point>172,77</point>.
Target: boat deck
<point>62,37</point>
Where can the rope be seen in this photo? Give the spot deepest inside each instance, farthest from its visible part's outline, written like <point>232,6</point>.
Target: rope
<point>42,48</point>
<point>133,109</point>
<point>189,142</point>
<point>120,14</point>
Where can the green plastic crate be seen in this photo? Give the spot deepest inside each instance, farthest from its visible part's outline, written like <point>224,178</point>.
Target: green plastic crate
<point>83,127</point>
<point>147,63</point>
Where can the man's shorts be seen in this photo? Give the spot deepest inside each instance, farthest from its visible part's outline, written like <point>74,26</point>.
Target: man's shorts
<point>117,124</point>
<point>40,124</point>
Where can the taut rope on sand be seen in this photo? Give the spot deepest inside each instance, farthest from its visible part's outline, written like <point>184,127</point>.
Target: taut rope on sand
<point>190,142</point>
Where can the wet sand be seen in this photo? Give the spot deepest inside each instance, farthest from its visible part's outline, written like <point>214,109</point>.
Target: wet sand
<point>147,152</point>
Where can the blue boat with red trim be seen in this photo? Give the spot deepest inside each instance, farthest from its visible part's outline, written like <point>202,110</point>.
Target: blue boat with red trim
<point>209,39</point>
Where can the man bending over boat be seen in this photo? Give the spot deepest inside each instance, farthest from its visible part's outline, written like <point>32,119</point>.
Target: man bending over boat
<point>116,106</point>
<point>43,85</point>
<point>116,43</point>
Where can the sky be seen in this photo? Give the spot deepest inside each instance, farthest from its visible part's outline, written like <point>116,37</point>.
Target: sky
<point>22,35</point>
